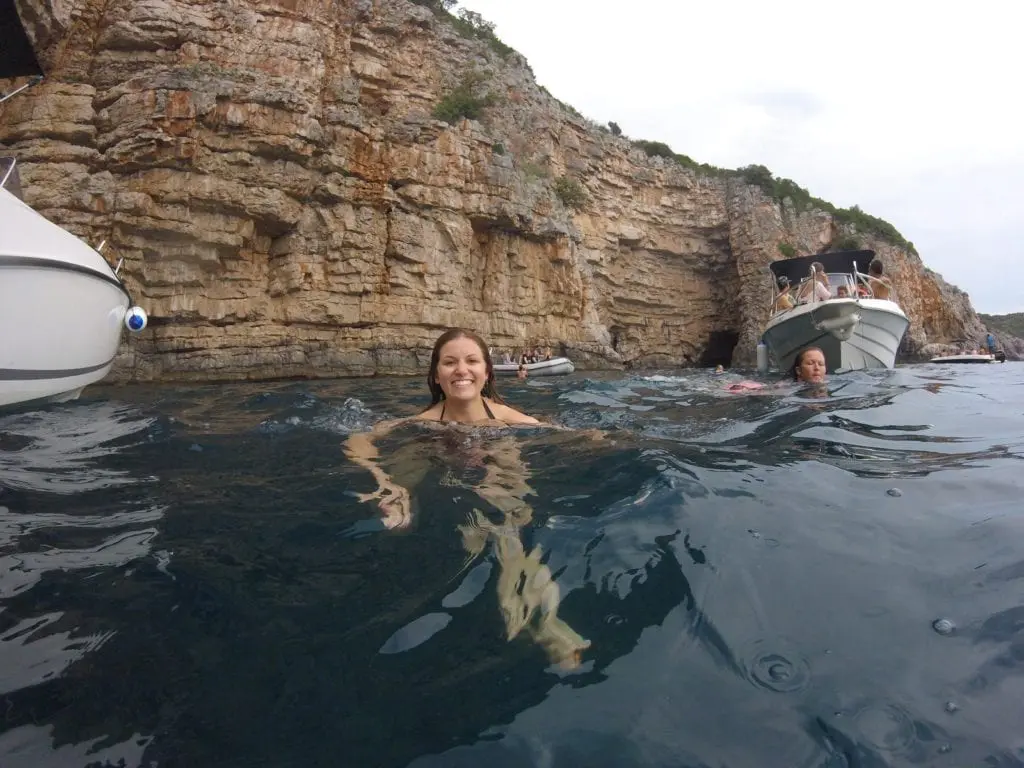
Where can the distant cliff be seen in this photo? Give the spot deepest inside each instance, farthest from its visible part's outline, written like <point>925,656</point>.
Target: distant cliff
<point>297,189</point>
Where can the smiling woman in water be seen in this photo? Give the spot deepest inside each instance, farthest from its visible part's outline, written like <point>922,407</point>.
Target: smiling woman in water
<point>464,395</point>
<point>462,390</point>
<point>462,385</point>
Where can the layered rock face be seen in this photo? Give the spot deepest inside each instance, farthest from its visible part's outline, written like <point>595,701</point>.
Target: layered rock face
<point>285,204</point>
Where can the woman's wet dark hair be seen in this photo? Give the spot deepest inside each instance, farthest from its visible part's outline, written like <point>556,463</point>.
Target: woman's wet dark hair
<point>800,358</point>
<point>490,386</point>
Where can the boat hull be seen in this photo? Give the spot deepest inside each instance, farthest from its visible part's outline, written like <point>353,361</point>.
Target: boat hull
<point>967,359</point>
<point>61,309</point>
<point>854,334</point>
<point>556,366</point>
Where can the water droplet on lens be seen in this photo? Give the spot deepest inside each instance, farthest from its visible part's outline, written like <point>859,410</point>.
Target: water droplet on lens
<point>775,665</point>
<point>895,492</point>
<point>944,626</point>
<point>778,672</point>
<point>887,727</point>
<point>952,706</point>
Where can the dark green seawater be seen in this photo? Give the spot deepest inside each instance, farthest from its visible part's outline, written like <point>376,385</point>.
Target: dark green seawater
<point>187,578</point>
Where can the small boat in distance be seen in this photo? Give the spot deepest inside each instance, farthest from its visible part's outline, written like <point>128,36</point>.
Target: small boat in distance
<point>971,357</point>
<point>837,311</point>
<point>556,366</point>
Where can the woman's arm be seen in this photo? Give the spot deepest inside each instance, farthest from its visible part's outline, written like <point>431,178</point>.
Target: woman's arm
<point>359,448</point>
<point>394,501</point>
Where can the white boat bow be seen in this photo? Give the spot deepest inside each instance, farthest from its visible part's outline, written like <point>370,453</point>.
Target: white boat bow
<point>62,309</point>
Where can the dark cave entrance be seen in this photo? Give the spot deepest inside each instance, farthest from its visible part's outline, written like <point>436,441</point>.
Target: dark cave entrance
<point>719,349</point>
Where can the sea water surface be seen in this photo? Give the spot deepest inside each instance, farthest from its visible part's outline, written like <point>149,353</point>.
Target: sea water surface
<point>189,578</point>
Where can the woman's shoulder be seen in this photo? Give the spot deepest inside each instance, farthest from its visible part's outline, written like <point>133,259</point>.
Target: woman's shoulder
<point>432,413</point>
<point>510,415</point>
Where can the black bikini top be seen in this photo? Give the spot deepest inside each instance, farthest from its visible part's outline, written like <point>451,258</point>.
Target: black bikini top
<point>486,408</point>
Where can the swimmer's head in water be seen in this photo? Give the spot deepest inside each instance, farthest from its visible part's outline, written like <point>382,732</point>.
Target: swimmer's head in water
<point>461,354</point>
<point>809,366</point>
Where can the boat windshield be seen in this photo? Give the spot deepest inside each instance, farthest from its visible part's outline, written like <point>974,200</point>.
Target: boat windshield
<point>840,285</point>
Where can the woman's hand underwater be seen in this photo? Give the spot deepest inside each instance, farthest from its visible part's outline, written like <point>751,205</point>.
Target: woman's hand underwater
<point>394,503</point>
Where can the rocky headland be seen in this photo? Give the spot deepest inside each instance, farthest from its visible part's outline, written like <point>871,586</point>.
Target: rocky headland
<point>317,187</point>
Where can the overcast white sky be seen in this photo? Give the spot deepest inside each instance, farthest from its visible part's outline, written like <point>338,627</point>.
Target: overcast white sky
<point>913,110</point>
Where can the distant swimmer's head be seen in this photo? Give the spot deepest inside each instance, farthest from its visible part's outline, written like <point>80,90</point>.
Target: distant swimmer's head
<point>809,366</point>
<point>461,368</point>
<point>719,369</point>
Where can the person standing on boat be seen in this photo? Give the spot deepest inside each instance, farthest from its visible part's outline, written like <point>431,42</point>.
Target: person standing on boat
<point>990,342</point>
<point>880,285</point>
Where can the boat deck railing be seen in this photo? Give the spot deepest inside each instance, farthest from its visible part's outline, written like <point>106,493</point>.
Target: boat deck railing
<point>854,285</point>
<point>9,178</point>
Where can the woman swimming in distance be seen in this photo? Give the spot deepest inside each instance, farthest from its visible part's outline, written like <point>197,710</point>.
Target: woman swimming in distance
<point>463,391</point>
<point>809,367</point>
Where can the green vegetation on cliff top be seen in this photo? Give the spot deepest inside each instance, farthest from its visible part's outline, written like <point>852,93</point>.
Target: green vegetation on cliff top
<point>1012,324</point>
<point>464,102</point>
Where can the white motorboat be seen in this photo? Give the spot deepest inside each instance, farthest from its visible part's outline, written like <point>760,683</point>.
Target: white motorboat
<point>970,357</point>
<point>556,366</point>
<point>839,313</point>
<point>62,308</point>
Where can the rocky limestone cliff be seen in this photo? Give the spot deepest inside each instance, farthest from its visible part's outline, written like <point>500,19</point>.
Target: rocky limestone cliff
<point>286,205</point>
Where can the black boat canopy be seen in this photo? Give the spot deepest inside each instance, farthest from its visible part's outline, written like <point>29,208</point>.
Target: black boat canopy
<point>17,59</point>
<point>796,269</point>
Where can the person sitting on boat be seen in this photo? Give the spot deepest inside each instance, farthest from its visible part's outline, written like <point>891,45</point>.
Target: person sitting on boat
<point>842,292</point>
<point>506,358</point>
<point>881,287</point>
<point>547,353</point>
<point>821,276</point>
<point>784,300</point>
<point>819,285</point>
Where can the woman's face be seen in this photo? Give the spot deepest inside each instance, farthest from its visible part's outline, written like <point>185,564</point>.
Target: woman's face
<point>461,370</point>
<point>812,367</point>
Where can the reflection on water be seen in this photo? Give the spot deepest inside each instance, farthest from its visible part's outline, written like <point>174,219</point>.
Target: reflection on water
<point>188,577</point>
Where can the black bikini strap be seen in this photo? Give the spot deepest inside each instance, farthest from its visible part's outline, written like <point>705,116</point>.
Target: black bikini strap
<point>486,408</point>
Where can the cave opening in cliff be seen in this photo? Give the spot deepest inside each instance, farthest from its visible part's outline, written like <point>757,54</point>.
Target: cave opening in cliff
<point>719,349</point>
